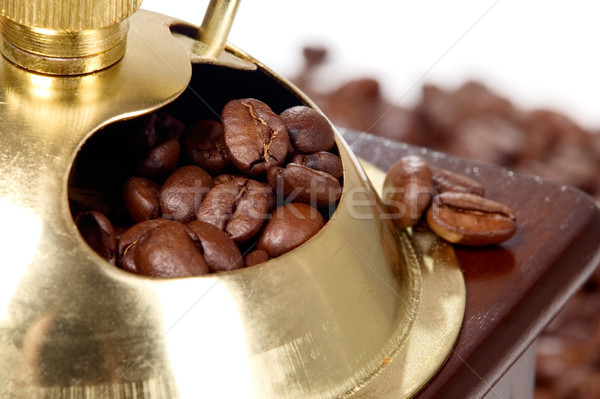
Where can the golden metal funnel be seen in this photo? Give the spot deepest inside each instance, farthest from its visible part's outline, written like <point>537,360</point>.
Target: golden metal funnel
<point>333,318</point>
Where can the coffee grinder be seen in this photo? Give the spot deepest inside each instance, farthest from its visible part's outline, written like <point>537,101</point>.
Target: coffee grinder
<point>362,309</point>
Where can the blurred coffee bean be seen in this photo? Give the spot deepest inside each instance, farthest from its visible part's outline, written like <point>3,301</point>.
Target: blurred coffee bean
<point>557,357</point>
<point>407,190</point>
<point>239,207</point>
<point>255,137</point>
<point>140,196</point>
<point>308,129</point>
<point>446,180</point>
<point>290,226</point>
<point>98,232</point>
<point>322,161</point>
<point>219,251</point>
<point>469,219</point>
<point>442,111</point>
<point>302,184</point>
<point>488,138</point>
<point>182,193</point>
<point>204,145</point>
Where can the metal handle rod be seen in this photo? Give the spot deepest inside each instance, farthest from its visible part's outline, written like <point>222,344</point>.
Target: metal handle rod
<point>216,25</point>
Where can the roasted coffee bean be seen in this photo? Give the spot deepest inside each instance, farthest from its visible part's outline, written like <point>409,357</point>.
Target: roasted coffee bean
<point>168,126</point>
<point>445,180</point>
<point>98,232</point>
<point>256,257</point>
<point>225,177</point>
<point>322,161</point>
<point>488,137</point>
<point>220,252</point>
<point>161,159</point>
<point>193,224</point>
<point>119,231</point>
<point>291,225</point>
<point>159,127</point>
<point>255,137</point>
<point>183,191</point>
<point>298,183</point>
<point>129,238</point>
<point>204,145</point>
<point>555,148</point>
<point>407,190</point>
<point>84,199</point>
<point>149,136</point>
<point>140,196</point>
<point>168,251</point>
<point>238,207</point>
<point>309,130</point>
<point>469,219</point>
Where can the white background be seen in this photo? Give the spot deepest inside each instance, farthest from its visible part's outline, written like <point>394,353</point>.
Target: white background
<point>537,53</point>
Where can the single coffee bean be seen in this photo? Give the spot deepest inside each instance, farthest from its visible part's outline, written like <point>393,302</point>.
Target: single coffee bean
<point>220,252</point>
<point>445,180</point>
<point>256,257</point>
<point>298,183</point>
<point>204,145</point>
<point>128,240</point>
<point>407,190</point>
<point>161,160</point>
<point>291,225</point>
<point>182,193</point>
<point>238,207</point>
<point>322,161</point>
<point>140,196</point>
<point>98,232</point>
<point>309,130</point>
<point>255,137</point>
<point>469,219</point>
<point>168,251</point>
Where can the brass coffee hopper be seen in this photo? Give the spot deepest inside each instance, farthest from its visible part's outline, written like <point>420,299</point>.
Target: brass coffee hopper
<point>350,312</point>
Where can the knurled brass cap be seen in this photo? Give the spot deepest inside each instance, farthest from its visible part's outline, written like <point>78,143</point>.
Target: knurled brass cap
<point>65,37</point>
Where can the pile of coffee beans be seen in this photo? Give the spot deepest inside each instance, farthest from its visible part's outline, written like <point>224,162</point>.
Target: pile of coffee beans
<point>215,196</point>
<point>454,205</point>
<point>475,122</point>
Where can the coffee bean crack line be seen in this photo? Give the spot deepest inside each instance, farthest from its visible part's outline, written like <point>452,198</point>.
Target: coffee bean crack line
<point>130,246</point>
<point>272,136</point>
<point>235,201</point>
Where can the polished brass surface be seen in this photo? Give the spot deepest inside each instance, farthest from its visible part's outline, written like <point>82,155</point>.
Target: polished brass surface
<point>60,312</point>
<point>330,319</point>
<point>200,53</point>
<point>206,44</point>
<point>65,37</point>
<point>439,320</point>
<point>216,25</point>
